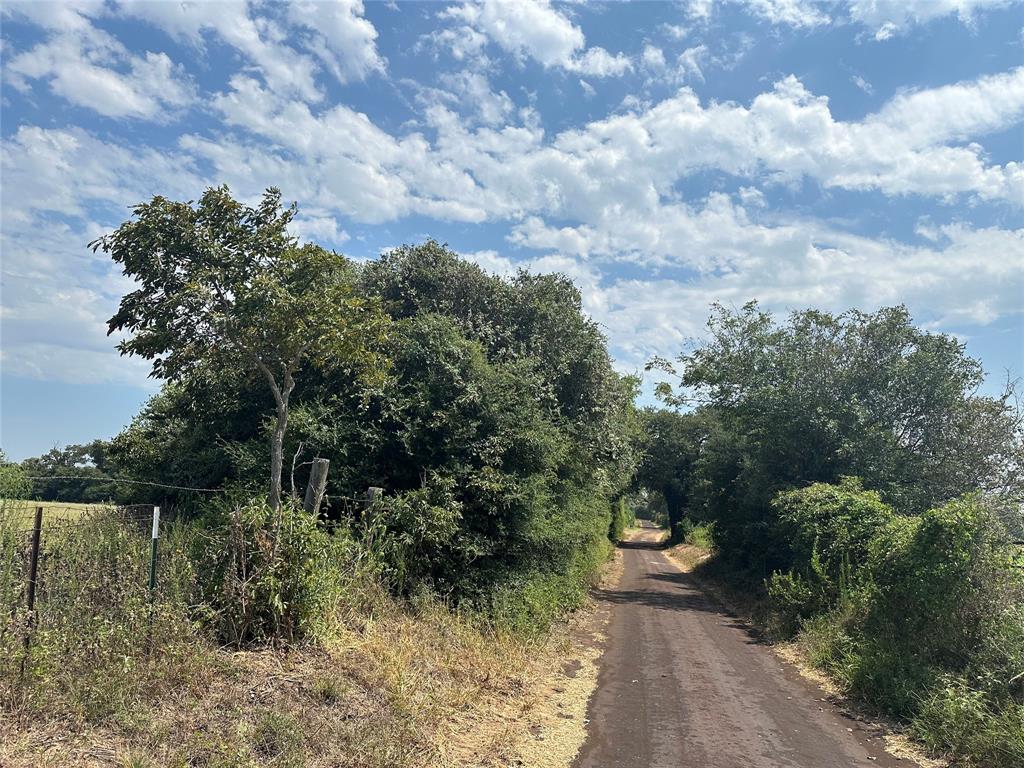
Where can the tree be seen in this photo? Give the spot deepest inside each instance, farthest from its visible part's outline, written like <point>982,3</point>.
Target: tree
<point>823,396</point>
<point>223,285</point>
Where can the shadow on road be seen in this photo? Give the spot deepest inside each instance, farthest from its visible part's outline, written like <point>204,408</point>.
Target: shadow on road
<point>678,591</point>
<point>641,545</point>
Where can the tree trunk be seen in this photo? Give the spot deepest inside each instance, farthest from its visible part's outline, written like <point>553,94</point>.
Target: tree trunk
<point>277,457</point>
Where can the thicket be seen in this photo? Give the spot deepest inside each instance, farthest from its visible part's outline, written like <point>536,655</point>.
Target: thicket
<point>501,435</point>
<point>849,465</point>
<point>486,408</point>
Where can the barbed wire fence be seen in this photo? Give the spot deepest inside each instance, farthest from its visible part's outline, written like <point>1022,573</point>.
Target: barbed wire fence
<point>63,564</point>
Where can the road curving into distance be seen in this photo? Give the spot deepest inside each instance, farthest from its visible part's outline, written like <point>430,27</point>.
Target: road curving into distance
<point>683,683</point>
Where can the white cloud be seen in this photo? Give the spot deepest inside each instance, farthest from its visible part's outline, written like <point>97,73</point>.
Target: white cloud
<point>91,69</point>
<point>471,89</point>
<point>886,18</point>
<point>320,227</point>
<point>341,37</point>
<point>793,13</point>
<point>953,283</point>
<point>653,58</point>
<point>690,61</point>
<point>863,84</point>
<point>889,18</point>
<point>537,30</point>
<point>603,191</point>
<point>284,69</point>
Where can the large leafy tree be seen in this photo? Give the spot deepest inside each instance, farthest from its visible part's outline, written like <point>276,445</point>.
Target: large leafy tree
<point>224,286</point>
<point>500,436</point>
<point>822,396</point>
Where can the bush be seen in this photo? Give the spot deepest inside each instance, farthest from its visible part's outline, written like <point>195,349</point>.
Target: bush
<point>410,531</point>
<point>959,720</point>
<point>921,617</point>
<point>828,528</point>
<point>622,518</point>
<point>701,535</point>
<point>792,598</point>
<point>271,577</point>
<point>941,583</point>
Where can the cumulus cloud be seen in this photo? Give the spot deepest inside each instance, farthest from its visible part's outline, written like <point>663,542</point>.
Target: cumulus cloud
<point>340,36</point>
<point>574,200</point>
<point>792,13</point>
<point>884,18</point>
<point>336,33</point>
<point>91,69</point>
<point>536,30</point>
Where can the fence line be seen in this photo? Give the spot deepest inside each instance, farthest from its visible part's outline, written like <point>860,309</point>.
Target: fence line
<point>104,478</point>
<point>48,561</point>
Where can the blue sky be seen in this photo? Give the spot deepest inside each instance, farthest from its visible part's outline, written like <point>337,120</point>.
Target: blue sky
<point>664,155</point>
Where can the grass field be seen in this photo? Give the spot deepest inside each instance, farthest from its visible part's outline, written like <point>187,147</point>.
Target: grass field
<point>21,511</point>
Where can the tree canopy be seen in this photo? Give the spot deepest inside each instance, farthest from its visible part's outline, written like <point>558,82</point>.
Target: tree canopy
<point>223,286</point>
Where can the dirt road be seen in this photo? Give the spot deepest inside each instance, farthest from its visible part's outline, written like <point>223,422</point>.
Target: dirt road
<point>683,684</point>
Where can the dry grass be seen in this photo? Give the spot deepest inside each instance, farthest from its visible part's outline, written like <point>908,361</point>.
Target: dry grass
<point>392,686</point>
<point>687,556</point>
<point>551,732</point>
<point>23,511</point>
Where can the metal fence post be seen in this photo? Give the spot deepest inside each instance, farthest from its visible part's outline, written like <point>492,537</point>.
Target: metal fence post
<point>33,574</point>
<point>152,571</point>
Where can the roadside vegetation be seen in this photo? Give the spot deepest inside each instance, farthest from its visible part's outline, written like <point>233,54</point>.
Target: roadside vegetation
<point>844,469</point>
<point>485,409</point>
<point>865,500</point>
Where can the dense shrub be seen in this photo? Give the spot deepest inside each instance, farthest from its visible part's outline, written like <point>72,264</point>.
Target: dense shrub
<point>267,576</point>
<point>782,405</point>
<point>923,618</point>
<point>623,517</point>
<point>501,436</point>
<point>828,528</point>
<point>941,583</point>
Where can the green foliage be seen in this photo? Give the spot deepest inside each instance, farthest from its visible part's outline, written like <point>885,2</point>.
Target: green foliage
<point>409,531</point>
<point>266,576</point>
<point>225,287</point>
<point>827,530</point>
<point>623,517</point>
<point>501,435</point>
<point>793,599</point>
<point>88,462</point>
<point>671,444</point>
<point>13,484</point>
<point>941,584</point>
<point>923,618</point>
<point>959,720</point>
<point>701,535</point>
<point>825,396</point>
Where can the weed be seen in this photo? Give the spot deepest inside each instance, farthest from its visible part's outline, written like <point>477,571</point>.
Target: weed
<point>276,738</point>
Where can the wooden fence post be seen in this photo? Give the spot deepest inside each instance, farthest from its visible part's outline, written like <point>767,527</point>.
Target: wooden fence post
<point>373,494</point>
<point>33,574</point>
<point>316,486</point>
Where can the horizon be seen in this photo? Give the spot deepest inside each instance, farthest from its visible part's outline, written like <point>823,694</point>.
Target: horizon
<point>663,156</point>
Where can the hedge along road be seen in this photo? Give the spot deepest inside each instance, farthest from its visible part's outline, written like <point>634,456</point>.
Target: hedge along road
<point>684,684</point>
